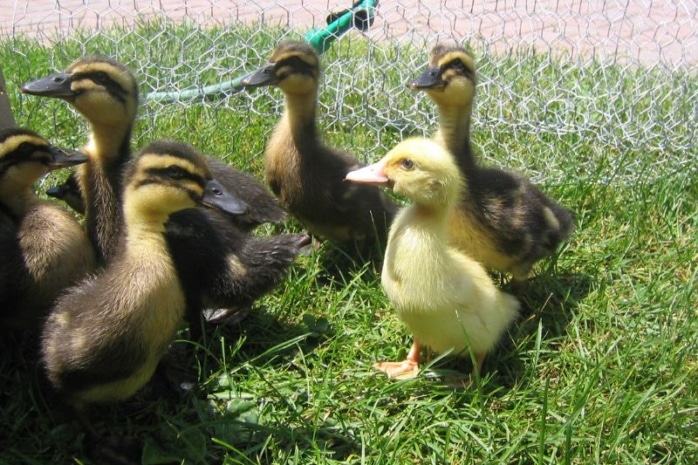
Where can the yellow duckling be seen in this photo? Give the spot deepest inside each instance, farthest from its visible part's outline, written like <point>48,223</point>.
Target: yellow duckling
<point>445,298</point>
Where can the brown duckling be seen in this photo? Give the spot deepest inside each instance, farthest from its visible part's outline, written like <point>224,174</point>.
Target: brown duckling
<point>91,85</point>
<point>43,248</point>
<point>306,175</point>
<point>106,335</point>
<point>502,219</point>
<point>445,298</point>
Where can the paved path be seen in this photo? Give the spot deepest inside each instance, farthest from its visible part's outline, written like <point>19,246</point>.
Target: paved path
<point>648,31</point>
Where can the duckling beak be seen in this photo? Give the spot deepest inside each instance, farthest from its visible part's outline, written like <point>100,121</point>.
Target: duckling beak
<point>62,158</point>
<point>429,79</point>
<point>372,174</point>
<point>216,196</point>
<point>264,76</point>
<point>56,85</point>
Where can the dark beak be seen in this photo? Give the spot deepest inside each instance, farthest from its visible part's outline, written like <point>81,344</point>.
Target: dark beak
<point>429,79</point>
<point>62,158</point>
<point>56,85</point>
<point>216,196</point>
<point>264,76</point>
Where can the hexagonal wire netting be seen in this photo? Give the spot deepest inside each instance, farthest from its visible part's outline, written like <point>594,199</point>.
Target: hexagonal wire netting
<point>619,73</point>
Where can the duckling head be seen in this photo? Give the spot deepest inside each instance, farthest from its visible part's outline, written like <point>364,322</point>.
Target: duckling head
<point>417,168</point>
<point>450,78</point>
<point>294,67</point>
<point>101,89</point>
<point>169,176</point>
<point>25,157</point>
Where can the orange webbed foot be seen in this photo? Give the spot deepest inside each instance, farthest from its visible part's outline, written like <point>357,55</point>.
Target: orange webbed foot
<point>406,369</point>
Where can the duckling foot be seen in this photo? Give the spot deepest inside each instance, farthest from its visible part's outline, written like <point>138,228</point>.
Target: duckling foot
<point>407,369</point>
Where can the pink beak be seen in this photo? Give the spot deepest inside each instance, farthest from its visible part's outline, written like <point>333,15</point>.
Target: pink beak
<point>371,174</point>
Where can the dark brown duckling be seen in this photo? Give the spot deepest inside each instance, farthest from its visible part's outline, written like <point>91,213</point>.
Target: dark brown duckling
<point>306,175</point>
<point>502,219</point>
<point>43,248</point>
<point>105,336</point>
<point>219,264</point>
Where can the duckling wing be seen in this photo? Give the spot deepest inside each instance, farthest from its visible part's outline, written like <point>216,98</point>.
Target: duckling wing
<point>255,267</point>
<point>521,219</point>
<point>81,348</point>
<point>221,266</point>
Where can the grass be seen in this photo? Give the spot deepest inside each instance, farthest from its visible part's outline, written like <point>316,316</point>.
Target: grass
<point>601,368</point>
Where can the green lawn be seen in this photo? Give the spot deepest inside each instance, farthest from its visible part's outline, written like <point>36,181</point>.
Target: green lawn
<point>602,366</point>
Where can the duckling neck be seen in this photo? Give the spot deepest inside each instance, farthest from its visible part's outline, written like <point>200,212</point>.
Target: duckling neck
<point>110,144</point>
<point>140,223</point>
<point>429,219</point>
<point>145,239</point>
<point>424,233</point>
<point>454,134</point>
<point>108,150</point>
<point>299,115</point>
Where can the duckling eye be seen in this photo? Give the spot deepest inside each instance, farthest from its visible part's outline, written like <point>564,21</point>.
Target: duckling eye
<point>101,77</point>
<point>407,164</point>
<point>457,65</point>
<point>24,147</point>
<point>175,172</point>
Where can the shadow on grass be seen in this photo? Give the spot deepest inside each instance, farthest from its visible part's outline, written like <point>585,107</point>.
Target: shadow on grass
<point>219,417</point>
<point>32,431</point>
<point>173,425</point>
<point>340,262</point>
<point>550,303</point>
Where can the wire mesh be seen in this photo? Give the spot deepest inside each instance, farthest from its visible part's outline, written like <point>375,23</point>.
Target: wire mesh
<point>609,76</point>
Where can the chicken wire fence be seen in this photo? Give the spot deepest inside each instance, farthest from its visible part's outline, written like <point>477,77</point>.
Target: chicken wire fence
<point>618,73</point>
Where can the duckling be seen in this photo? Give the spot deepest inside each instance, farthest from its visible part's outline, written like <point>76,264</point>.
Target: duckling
<point>105,92</point>
<point>43,248</point>
<point>105,336</point>
<point>92,85</point>
<point>220,265</point>
<point>96,86</point>
<point>502,219</point>
<point>305,174</point>
<point>445,297</point>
